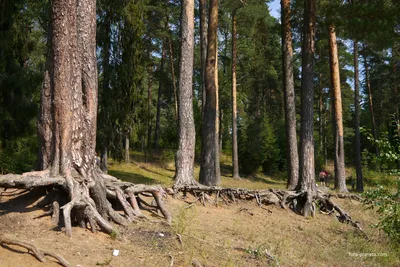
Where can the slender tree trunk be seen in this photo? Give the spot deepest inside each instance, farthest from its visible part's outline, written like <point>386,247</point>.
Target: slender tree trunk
<point>221,129</point>
<point>149,107</point>
<point>357,141</point>
<point>370,102</point>
<point>340,175</point>
<point>207,168</point>
<point>235,158</point>
<point>217,160</point>
<point>127,157</point>
<point>184,174</point>
<point>203,49</point>
<point>171,61</point>
<point>307,163</point>
<point>159,96</point>
<point>290,107</point>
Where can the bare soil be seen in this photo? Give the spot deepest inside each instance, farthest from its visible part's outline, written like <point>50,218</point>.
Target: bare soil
<point>237,234</point>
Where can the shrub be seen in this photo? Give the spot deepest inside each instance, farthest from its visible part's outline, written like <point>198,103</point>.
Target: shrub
<point>388,207</point>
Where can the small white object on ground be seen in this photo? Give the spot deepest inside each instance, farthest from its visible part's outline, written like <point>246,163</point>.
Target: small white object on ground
<point>161,234</point>
<point>115,252</point>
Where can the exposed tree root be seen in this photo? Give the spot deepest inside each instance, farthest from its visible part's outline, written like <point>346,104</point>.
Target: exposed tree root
<point>38,253</point>
<point>76,197</point>
<point>295,200</point>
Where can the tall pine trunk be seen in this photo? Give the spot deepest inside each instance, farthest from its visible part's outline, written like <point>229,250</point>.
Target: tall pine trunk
<point>307,163</point>
<point>289,97</point>
<point>203,50</point>
<point>357,139</point>
<point>185,155</point>
<point>235,158</point>
<point>340,173</point>
<point>207,168</point>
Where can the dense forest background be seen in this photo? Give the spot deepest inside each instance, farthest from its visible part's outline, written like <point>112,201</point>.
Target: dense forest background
<point>138,48</point>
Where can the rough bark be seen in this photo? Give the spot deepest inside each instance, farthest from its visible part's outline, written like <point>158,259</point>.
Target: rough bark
<point>203,49</point>
<point>340,174</point>
<point>67,125</point>
<point>184,174</point>
<point>159,96</point>
<point>207,168</point>
<point>357,138</point>
<point>235,158</point>
<point>289,97</point>
<point>307,163</point>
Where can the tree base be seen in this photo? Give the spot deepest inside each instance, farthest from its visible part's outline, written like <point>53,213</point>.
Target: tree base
<point>301,202</point>
<point>79,204</point>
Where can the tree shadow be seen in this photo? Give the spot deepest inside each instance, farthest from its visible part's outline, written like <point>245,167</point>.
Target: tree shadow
<point>258,179</point>
<point>132,177</point>
<point>22,203</point>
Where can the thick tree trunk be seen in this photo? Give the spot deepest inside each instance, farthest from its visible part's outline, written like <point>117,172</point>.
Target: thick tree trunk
<point>370,102</point>
<point>184,174</point>
<point>307,165</point>
<point>203,49</point>
<point>207,169</point>
<point>235,158</point>
<point>290,107</point>
<point>159,96</point>
<point>340,173</point>
<point>357,139</point>
<point>67,125</point>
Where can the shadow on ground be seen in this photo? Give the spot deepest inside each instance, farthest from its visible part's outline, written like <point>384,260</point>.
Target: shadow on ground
<point>22,203</point>
<point>132,177</point>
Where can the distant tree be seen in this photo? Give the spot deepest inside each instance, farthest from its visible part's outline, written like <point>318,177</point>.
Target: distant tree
<point>207,168</point>
<point>184,174</point>
<point>289,99</point>
<point>357,138</point>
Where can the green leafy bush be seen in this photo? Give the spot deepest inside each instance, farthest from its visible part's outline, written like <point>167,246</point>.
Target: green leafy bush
<point>388,207</point>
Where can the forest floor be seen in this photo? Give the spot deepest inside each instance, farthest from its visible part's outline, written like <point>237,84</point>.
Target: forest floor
<point>236,234</point>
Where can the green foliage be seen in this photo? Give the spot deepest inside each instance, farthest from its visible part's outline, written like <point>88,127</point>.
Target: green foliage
<point>257,147</point>
<point>388,207</point>
<point>389,153</point>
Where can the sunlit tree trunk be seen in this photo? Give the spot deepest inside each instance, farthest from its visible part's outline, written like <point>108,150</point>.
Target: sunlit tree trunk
<point>235,158</point>
<point>340,173</point>
<point>184,174</point>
